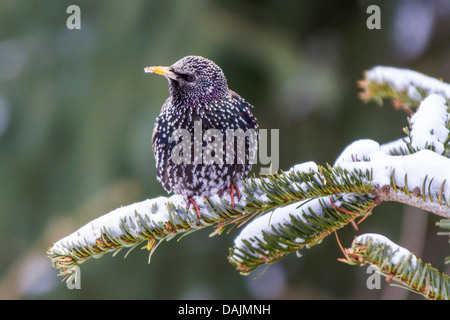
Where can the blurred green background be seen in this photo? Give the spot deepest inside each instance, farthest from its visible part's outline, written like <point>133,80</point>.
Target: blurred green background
<point>77,114</point>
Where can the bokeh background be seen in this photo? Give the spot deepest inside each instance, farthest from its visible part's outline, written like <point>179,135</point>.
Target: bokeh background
<point>77,114</point>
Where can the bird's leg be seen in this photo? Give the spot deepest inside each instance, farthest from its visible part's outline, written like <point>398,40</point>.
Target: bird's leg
<point>234,188</point>
<point>192,201</point>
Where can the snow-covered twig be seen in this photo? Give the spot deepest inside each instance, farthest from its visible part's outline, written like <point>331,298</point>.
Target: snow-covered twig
<point>407,179</point>
<point>418,178</point>
<point>272,236</point>
<point>398,264</point>
<point>405,86</point>
<point>152,220</point>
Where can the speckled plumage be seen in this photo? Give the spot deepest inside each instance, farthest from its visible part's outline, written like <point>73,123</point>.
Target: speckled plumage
<point>199,92</point>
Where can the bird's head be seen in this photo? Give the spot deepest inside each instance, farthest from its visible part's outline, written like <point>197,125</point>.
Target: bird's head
<point>194,79</point>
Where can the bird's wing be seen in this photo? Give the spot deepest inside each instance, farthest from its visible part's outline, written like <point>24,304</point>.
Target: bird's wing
<point>156,129</point>
<point>234,95</point>
<point>161,164</point>
<point>245,113</point>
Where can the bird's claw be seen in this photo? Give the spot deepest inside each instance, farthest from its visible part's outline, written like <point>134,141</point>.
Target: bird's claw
<point>192,201</point>
<point>233,188</point>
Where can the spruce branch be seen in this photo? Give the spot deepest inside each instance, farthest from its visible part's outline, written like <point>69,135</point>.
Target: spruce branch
<point>407,179</point>
<point>153,220</point>
<point>406,88</point>
<point>429,127</point>
<point>163,218</point>
<point>398,264</point>
<point>271,237</point>
<point>337,196</point>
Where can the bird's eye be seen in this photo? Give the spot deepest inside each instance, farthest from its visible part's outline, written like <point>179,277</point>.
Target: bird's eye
<point>190,78</point>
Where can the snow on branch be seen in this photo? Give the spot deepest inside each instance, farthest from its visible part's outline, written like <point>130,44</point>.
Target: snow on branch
<point>407,179</point>
<point>272,236</point>
<point>418,178</point>
<point>406,87</point>
<point>398,264</point>
<point>430,126</point>
<point>164,218</point>
<point>152,220</point>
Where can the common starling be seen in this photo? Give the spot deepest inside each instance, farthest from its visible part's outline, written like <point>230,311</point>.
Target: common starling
<point>199,94</point>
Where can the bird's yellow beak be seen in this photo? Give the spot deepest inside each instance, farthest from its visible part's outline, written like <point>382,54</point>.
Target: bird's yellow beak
<point>165,71</point>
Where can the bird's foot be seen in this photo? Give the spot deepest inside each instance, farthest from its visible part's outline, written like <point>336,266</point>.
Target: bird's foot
<point>192,201</point>
<point>233,188</point>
